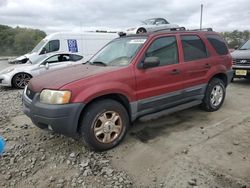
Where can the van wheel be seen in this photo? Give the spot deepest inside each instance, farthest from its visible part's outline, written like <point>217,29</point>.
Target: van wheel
<point>20,80</point>
<point>104,124</point>
<point>214,96</point>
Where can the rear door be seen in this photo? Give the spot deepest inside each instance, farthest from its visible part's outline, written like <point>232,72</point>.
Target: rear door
<point>160,87</point>
<point>196,65</point>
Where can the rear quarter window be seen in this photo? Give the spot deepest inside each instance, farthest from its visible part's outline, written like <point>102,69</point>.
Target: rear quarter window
<point>218,44</point>
<point>74,57</point>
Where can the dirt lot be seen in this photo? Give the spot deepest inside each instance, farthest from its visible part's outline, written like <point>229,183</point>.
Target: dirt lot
<point>191,148</point>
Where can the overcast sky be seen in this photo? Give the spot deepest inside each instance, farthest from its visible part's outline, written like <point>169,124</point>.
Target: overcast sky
<point>77,15</point>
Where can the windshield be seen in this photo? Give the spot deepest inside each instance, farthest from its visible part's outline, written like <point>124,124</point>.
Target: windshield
<point>37,59</point>
<point>39,46</point>
<point>149,22</point>
<point>119,52</point>
<point>245,46</point>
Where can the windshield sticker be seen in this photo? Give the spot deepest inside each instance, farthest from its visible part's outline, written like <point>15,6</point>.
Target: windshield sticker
<point>137,41</point>
<point>72,44</point>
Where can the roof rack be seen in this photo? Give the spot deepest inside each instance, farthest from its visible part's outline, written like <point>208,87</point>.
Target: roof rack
<point>172,29</point>
<point>122,34</point>
<point>203,29</point>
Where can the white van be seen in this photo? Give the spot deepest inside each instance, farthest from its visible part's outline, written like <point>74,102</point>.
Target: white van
<point>85,44</point>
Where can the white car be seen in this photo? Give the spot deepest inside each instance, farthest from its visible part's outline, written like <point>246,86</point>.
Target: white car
<point>151,25</point>
<point>18,75</point>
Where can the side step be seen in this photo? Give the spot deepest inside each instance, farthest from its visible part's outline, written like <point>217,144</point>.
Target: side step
<point>162,113</point>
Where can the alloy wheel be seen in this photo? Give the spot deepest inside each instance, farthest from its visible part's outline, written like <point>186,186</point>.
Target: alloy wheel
<point>107,127</point>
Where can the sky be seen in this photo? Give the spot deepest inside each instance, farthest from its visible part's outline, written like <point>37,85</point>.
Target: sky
<point>78,15</point>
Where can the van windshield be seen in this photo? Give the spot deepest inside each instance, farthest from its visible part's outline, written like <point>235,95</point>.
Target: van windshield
<point>39,46</point>
<point>119,52</point>
<point>245,46</point>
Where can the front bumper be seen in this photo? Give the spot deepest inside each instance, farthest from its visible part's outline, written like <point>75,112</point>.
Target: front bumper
<point>5,80</point>
<point>62,119</point>
<point>241,67</point>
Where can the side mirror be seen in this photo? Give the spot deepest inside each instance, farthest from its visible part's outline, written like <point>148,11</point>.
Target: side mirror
<point>47,66</point>
<point>236,47</point>
<point>150,62</point>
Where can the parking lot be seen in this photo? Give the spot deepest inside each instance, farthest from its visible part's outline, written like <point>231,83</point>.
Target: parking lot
<point>191,148</point>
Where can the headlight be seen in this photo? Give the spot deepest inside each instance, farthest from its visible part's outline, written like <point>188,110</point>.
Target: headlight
<point>7,70</point>
<point>55,97</point>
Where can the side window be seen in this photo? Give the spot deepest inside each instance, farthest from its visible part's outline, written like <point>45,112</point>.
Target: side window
<point>53,59</point>
<point>161,21</point>
<point>218,43</point>
<point>54,45</point>
<point>74,57</point>
<point>58,58</point>
<point>165,49</point>
<point>193,48</point>
<point>51,46</point>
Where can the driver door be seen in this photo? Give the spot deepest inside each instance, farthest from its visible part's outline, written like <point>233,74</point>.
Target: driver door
<point>55,62</point>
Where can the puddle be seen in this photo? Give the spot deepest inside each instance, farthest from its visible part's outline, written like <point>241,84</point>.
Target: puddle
<point>146,131</point>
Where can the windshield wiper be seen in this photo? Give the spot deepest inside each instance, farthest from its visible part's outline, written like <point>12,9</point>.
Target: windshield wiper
<point>98,63</point>
<point>244,49</point>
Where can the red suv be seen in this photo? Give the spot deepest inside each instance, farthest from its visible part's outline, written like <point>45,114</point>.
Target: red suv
<point>133,76</point>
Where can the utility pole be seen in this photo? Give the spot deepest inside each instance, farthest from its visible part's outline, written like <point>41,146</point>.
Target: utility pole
<point>201,17</point>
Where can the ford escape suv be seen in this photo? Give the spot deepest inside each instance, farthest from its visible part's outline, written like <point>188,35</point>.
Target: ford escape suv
<point>131,77</point>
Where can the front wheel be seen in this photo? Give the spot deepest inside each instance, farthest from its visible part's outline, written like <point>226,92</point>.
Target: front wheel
<point>104,124</point>
<point>215,95</point>
<point>20,80</point>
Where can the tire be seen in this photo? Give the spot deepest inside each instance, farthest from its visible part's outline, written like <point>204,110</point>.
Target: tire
<point>215,87</point>
<point>141,30</point>
<point>98,130</point>
<point>20,80</point>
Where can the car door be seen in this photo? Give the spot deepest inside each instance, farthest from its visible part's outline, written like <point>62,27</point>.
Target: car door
<point>55,62</point>
<point>160,24</point>
<point>196,65</point>
<point>160,87</point>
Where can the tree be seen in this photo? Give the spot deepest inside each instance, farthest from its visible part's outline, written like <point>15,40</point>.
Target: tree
<point>18,41</point>
<point>236,38</point>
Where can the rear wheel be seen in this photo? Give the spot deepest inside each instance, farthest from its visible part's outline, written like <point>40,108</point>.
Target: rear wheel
<point>20,80</point>
<point>141,30</point>
<point>104,124</point>
<point>215,95</point>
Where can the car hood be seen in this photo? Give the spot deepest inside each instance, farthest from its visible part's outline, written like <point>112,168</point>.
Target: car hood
<point>59,78</point>
<point>241,54</point>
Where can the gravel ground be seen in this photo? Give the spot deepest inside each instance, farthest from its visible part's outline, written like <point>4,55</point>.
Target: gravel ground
<point>36,158</point>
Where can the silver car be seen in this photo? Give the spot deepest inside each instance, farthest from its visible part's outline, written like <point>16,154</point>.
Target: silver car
<point>151,25</point>
<point>19,75</point>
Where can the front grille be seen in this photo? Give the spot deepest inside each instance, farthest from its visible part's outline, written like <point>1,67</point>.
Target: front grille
<point>30,94</point>
<point>245,62</point>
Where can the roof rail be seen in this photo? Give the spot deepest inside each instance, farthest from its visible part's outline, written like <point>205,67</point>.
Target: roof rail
<point>172,29</point>
<point>203,29</point>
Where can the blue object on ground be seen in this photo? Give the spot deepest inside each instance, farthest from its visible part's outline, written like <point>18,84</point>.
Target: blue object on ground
<point>2,145</point>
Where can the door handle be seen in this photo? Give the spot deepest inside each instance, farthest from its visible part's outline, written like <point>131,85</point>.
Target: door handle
<point>207,66</point>
<point>175,71</point>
